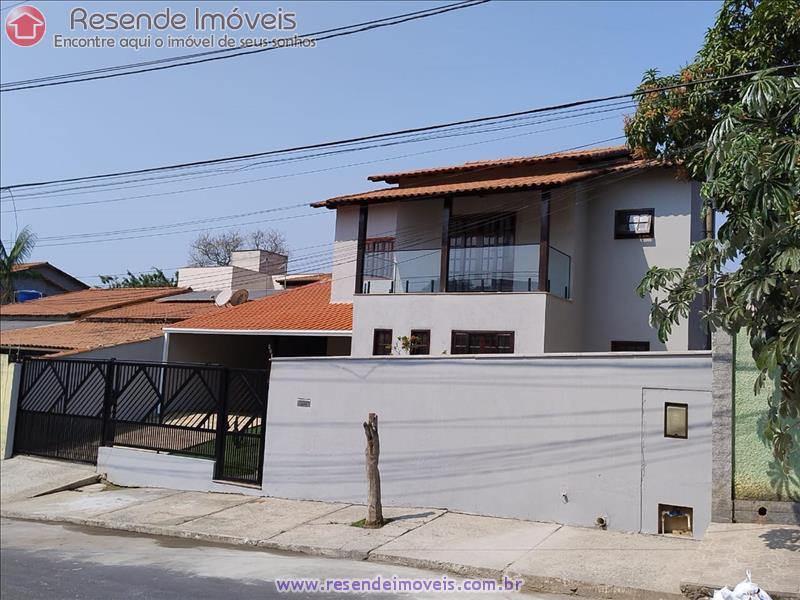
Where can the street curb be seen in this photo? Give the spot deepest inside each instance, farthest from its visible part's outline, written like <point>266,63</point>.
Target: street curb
<point>533,583</point>
<point>698,591</point>
<point>571,587</point>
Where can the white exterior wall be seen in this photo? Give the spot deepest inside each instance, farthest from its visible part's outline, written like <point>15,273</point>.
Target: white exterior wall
<point>563,438</point>
<point>260,261</point>
<point>521,313</point>
<point>132,467</point>
<point>223,278</point>
<point>612,309</point>
<point>151,350</point>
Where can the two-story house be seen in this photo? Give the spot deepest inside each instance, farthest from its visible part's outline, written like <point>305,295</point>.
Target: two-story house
<point>522,255</point>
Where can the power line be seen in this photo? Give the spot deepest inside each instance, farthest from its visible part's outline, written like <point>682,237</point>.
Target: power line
<point>307,172</point>
<point>385,135</point>
<point>5,8</point>
<point>226,53</point>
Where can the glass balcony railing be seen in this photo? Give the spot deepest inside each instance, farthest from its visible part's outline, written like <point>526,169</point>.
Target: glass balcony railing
<point>513,268</point>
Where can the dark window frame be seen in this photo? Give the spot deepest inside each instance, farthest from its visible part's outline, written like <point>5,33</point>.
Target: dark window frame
<point>621,217</point>
<point>685,408</point>
<point>615,346</point>
<point>421,349</point>
<point>478,244</point>
<point>379,258</point>
<point>470,346</point>
<point>385,348</point>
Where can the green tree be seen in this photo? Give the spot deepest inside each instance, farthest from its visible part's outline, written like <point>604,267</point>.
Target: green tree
<point>18,254</point>
<point>155,279</point>
<point>740,136</point>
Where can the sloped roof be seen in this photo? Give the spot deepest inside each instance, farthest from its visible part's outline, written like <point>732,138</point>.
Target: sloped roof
<point>29,265</point>
<point>483,186</point>
<point>81,335</point>
<point>155,312</point>
<point>585,154</point>
<point>84,302</point>
<point>307,309</point>
<point>43,265</point>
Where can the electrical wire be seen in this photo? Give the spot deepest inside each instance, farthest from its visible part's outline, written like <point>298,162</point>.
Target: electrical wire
<point>226,53</point>
<point>385,135</point>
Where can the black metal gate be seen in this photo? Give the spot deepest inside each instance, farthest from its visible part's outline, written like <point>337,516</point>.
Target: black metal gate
<point>69,408</point>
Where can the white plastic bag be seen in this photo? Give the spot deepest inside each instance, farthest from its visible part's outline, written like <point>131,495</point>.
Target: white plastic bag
<point>746,590</point>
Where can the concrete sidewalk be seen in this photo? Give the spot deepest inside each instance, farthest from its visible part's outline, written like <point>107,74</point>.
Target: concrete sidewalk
<point>550,557</point>
<point>28,476</point>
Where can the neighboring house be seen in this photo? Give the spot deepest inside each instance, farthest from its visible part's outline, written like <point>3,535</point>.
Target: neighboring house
<point>522,255</point>
<point>44,278</point>
<point>256,271</point>
<point>123,323</point>
<point>296,322</point>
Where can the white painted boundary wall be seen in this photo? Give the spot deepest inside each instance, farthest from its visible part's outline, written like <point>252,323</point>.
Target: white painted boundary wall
<point>556,437</point>
<point>144,468</point>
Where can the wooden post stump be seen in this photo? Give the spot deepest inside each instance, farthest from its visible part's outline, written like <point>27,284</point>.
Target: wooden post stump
<point>372,453</point>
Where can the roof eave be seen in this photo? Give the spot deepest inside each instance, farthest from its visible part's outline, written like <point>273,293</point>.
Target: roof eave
<point>285,332</point>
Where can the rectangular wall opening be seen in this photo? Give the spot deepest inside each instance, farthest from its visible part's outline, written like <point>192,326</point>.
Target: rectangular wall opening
<point>675,520</point>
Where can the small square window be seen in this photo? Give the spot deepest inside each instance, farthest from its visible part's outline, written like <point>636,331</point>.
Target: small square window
<point>676,420</point>
<point>420,341</point>
<point>382,342</point>
<point>637,223</point>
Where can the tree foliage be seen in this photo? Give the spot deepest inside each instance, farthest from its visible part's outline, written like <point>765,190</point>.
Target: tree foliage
<point>143,280</point>
<point>19,252</point>
<point>741,138</point>
<point>214,250</point>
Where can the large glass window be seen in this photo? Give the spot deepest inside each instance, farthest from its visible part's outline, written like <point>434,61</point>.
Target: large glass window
<point>481,253</point>
<point>379,258</point>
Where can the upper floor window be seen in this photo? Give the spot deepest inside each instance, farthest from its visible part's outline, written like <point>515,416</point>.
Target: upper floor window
<point>382,342</point>
<point>379,258</point>
<point>482,342</point>
<point>637,223</point>
<point>481,252</point>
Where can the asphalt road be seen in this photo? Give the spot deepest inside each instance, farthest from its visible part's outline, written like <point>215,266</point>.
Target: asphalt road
<point>49,561</point>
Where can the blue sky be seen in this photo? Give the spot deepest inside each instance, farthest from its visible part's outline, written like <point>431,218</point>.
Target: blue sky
<point>494,58</point>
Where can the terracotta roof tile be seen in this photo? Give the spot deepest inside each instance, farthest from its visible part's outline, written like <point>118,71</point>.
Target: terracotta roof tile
<point>81,335</point>
<point>306,308</point>
<point>587,154</point>
<point>84,302</point>
<point>155,312</point>
<point>488,185</point>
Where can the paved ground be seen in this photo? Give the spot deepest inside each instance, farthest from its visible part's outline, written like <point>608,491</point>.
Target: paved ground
<point>550,558</point>
<point>45,561</point>
<point>26,476</point>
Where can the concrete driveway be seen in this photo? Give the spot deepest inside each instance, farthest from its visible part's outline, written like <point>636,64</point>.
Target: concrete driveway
<point>27,476</point>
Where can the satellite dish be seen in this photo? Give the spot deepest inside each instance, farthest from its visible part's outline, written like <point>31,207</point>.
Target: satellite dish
<point>223,297</point>
<point>238,297</point>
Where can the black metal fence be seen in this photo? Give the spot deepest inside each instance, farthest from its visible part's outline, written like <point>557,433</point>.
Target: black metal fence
<point>68,408</point>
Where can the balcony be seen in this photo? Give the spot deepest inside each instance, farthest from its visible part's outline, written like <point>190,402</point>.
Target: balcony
<point>503,268</point>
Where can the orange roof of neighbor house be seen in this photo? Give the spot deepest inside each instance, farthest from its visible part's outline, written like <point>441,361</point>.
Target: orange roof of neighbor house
<point>160,312</point>
<point>488,185</point>
<point>84,302</point>
<point>307,308</point>
<point>80,336</point>
<point>593,154</point>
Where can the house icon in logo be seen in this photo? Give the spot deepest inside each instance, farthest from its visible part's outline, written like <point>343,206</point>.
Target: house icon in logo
<point>25,26</point>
